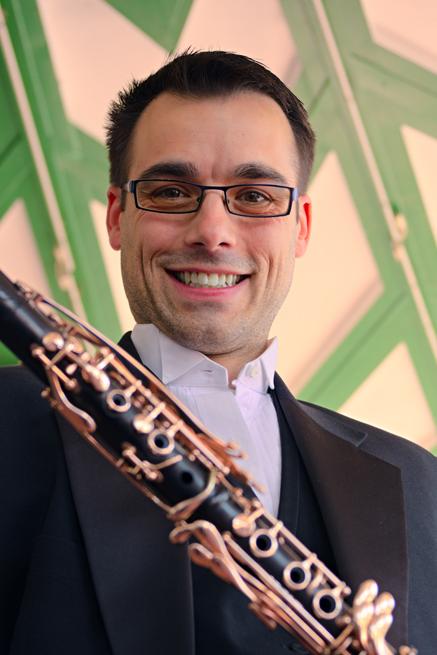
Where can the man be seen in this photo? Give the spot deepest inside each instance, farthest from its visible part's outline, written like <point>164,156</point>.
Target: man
<point>206,158</point>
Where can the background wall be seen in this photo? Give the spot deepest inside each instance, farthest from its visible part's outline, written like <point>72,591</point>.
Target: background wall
<point>358,331</point>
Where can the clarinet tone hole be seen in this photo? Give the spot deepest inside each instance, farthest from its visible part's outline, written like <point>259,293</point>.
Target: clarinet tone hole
<point>296,576</point>
<point>187,477</point>
<point>262,544</point>
<point>159,443</point>
<point>326,605</point>
<point>117,401</point>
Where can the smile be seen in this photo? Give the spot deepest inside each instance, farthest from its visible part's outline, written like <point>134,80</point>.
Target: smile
<point>207,280</point>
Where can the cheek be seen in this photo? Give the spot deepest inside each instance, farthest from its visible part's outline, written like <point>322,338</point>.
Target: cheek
<point>278,248</point>
<point>145,238</point>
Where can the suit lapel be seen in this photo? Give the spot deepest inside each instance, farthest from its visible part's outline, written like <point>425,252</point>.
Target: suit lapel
<point>361,500</point>
<point>128,345</point>
<point>142,582</point>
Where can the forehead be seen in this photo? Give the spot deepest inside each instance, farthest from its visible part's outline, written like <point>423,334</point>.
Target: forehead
<point>216,134</point>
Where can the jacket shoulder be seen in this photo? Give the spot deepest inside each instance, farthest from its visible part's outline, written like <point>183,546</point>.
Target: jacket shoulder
<point>29,449</point>
<point>395,449</point>
<point>29,431</point>
<point>15,379</point>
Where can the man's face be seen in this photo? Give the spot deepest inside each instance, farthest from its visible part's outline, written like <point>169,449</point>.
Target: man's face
<point>242,138</point>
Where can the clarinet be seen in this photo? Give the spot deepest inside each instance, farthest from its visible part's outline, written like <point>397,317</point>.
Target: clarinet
<point>135,422</point>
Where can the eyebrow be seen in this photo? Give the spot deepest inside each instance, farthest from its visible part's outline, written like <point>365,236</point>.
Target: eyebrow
<point>170,169</point>
<point>258,171</point>
<point>187,170</point>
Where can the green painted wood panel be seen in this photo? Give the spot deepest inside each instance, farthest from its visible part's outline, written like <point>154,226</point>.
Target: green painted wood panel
<point>162,21</point>
<point>19,181</point>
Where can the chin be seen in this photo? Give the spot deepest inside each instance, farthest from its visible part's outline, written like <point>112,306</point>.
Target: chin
<point>207,339</point>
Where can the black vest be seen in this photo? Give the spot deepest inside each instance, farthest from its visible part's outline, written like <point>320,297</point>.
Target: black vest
<point>223,623</point>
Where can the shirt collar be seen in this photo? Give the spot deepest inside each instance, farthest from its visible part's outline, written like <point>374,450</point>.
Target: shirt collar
<point>175,364</point>
<point>259,374</point>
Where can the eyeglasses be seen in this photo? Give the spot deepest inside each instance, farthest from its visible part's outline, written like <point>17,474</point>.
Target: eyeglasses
<point>176,197</point>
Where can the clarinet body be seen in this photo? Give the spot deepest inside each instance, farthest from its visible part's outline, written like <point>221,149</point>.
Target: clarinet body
<point>130,417</point>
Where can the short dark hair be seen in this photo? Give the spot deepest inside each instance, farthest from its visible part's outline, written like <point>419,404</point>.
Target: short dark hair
<point>201,75</point>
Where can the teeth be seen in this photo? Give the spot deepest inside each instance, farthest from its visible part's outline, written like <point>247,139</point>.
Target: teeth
<point>208,280</point>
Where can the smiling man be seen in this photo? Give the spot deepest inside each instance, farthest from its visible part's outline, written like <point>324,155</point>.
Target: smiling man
<point>210,158</point>
<point>211,267</point>
<point>205,208</point>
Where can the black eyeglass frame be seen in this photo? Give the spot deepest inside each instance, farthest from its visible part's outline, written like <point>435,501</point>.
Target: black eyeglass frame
<point>131,187</point>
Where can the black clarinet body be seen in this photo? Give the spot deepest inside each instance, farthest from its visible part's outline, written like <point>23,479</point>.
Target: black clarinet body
<point>129,416</point>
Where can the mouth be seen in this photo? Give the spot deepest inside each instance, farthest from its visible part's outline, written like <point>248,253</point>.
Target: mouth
<point>205,280</point>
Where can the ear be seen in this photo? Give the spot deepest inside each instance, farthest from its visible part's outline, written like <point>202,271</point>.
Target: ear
<point>113,216</point>
<point>303,225</point>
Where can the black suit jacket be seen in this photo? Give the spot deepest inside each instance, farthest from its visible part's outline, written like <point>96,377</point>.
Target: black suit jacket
<point>86,565</point>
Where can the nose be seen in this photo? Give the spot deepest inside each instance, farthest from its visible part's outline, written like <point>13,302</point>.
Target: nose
<point>212,226</point>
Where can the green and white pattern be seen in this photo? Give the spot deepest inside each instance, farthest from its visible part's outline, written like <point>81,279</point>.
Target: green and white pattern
<point>358,331</point>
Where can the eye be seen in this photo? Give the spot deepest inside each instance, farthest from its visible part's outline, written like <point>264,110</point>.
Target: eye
<point>170,193</point>
<point>253,196</point>
<point>167,195</point>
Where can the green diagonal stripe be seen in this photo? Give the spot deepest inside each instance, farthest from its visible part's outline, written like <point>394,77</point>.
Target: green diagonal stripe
<point>162,21</point>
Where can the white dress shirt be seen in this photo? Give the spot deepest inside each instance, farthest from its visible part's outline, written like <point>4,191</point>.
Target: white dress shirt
<point>242,412</point>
